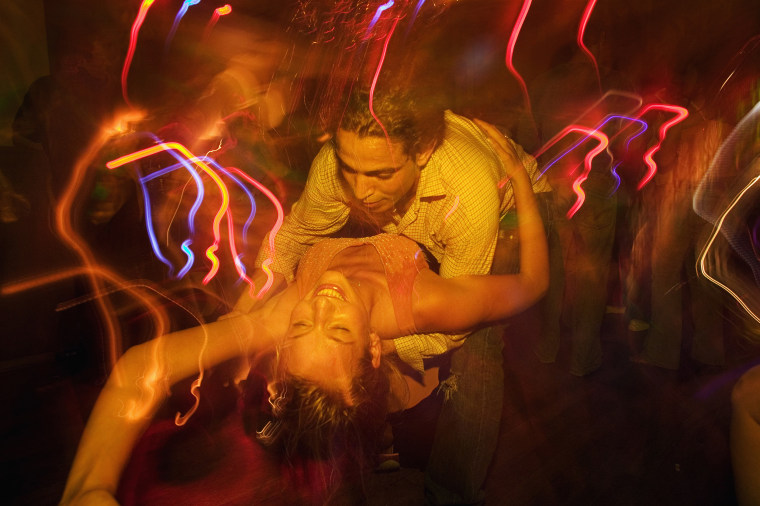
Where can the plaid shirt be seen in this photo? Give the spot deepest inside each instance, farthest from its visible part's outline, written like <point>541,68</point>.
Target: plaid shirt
<point>455,215</point>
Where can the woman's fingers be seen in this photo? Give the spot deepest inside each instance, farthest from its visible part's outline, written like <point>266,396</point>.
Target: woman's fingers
<point>504,148</point>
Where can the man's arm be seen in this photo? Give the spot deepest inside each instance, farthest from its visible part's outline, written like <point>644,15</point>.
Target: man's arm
<point>481,299</point>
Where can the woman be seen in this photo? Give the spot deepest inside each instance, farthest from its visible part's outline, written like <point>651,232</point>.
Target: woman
<point>330,330</point>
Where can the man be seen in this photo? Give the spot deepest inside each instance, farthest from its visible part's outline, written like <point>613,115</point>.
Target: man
<point>406,167</point>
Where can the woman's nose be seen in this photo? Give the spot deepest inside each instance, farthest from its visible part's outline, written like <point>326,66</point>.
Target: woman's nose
<point>323,308</point>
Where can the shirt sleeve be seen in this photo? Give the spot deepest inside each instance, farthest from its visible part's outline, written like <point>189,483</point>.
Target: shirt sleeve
<point>415,348</point>
<point>321,210</point>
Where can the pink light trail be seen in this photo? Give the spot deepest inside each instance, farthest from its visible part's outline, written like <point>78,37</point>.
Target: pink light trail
<point>511,51</point>
<point>144,7</point>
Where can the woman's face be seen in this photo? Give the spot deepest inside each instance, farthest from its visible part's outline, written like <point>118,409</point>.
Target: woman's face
<point>328,334</point>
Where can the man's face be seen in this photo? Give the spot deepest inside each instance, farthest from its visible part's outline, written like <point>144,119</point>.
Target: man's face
<point>380,174</point>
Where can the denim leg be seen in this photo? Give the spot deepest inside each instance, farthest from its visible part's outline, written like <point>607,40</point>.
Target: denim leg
<point>547,346</point>
<point>468,426</point>
<point>671,242</point>
<point>473,394</point>
<point>593,234</point>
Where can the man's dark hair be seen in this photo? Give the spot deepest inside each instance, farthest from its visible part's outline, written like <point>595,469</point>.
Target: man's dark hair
<point>406,117</point>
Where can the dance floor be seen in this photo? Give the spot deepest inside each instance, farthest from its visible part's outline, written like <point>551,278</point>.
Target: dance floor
<point>628,434</point>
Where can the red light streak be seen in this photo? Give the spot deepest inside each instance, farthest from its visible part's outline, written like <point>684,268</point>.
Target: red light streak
<point>272,233</point>
<point>603,143</point>
<point>374,83</point>
<point>146,4</point>
<point>218,13</point>
<point>511,51</point>
<point>681,114</point>
<point>581,31</point>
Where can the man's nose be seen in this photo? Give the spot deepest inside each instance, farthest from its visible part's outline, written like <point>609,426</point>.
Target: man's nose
<point>363,187</point>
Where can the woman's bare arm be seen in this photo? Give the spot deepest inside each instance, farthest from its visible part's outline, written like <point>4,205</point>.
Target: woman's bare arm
<point>460,303</point>
<point>140,382</point>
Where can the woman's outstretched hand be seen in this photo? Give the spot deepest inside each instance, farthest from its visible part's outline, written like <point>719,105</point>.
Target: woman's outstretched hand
<point>505,148</point>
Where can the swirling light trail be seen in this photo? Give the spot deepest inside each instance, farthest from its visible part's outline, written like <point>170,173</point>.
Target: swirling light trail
<point>165,146</point>
<point>180,14</point>
<point>681,114</point>
<point>377,15</point>
<point>144,7</point>
<point>581,31</point>
<point>603,143</point>
<point>218,13</point>
<point>374,84</point>
<point>511,51</point>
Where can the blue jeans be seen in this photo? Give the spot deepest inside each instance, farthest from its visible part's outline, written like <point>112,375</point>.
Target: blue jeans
<point>468,425</point>
<point>579,264</point>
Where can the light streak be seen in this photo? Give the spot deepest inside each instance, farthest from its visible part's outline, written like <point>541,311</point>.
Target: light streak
<point>377,15</point>
<point>453,208</point>
<point>572,128</point>
<point>705,250</point>
<point>218,13</point>
<point>165,146</point>
<point>374,84</point>
<point>603,143</point>
<point>190,258</point>
<point>727,157</point>
<point>231,172</point>
<point>144,7</point>
<point>511,51</point>
<point>414,15</point>
<point>637,98</point>
<point>180,14</point>
<point>581,31</point>
<point>681,114</point>
<point>149,226</point>
<point>272,233</point>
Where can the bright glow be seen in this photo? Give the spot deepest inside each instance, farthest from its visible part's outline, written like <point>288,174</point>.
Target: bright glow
<point>218,12</point>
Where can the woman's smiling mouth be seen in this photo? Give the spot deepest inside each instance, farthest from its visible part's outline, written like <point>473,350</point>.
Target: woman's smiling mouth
<point>332,291</point>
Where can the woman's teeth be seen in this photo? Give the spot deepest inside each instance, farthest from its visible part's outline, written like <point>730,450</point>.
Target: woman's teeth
<point>331,292</point>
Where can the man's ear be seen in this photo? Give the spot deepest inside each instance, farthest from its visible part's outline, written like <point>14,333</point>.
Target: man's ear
<point>421,157</point>
<point>375,349</point>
